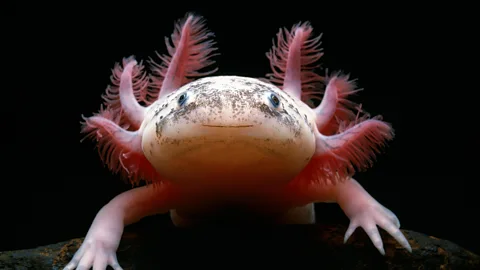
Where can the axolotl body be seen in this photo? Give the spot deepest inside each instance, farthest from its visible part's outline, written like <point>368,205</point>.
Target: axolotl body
<point>253,144</point>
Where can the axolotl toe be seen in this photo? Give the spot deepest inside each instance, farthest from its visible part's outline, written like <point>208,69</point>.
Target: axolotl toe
<point>250,147</point>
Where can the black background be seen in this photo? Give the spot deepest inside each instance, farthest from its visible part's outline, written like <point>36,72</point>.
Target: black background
<point>398,54</point>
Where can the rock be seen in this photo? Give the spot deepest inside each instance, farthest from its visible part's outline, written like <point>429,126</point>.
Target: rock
<point>318,245</point>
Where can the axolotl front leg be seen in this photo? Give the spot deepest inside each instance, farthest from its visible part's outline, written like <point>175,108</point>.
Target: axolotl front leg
<point>360,207</point>
<point>362,210</point>
<point>102,240</point>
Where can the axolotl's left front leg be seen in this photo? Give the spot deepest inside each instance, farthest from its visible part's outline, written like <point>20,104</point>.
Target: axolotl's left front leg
<point>327,178</point>
<point>362,210</point>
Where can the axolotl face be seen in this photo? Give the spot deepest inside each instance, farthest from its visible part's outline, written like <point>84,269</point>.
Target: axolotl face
<point>228,129</point>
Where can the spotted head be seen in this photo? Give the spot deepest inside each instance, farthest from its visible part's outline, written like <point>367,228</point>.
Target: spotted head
<point>231,129</point>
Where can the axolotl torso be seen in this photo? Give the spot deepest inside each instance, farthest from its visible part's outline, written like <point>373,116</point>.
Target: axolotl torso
<point>231,142</point>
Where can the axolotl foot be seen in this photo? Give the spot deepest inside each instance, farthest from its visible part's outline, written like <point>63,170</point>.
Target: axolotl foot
<point>372,215</point>
<point>368,216</point>
<point>96,254</point>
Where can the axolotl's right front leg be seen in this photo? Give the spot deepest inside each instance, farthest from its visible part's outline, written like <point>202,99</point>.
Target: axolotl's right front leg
<point>100,245</point>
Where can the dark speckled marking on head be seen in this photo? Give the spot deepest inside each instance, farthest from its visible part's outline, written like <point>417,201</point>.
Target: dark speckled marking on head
<point>183,111</point>
<point>162,106</point>
<point>158,127</point>
<point>305,117</point>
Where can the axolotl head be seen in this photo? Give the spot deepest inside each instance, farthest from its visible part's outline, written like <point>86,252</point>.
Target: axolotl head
<point>224,128</point>
<point>229,129</point>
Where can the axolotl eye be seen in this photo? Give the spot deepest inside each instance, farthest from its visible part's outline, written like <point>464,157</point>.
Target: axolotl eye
<point>182,99</point>
<point>274,100</point>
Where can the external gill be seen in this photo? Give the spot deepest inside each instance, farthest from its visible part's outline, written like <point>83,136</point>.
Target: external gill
<point>119,149</point>
<point>191,51</point>
<point>292,57</point>
<point>132,109</point>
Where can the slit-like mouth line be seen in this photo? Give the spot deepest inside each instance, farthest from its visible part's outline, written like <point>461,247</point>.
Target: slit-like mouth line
<point>238,126</point>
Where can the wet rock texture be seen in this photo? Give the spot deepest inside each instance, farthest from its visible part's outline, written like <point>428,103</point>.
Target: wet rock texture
<point>317,246</point>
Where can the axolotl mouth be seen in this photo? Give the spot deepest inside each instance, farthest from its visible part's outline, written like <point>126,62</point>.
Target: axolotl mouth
<point>228,126</point>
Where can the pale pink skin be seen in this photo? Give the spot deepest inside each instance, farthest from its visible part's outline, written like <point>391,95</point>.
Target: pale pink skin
<point>343,141</point>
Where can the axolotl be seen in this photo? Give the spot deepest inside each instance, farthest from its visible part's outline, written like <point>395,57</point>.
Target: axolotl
<point>203,143</point>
